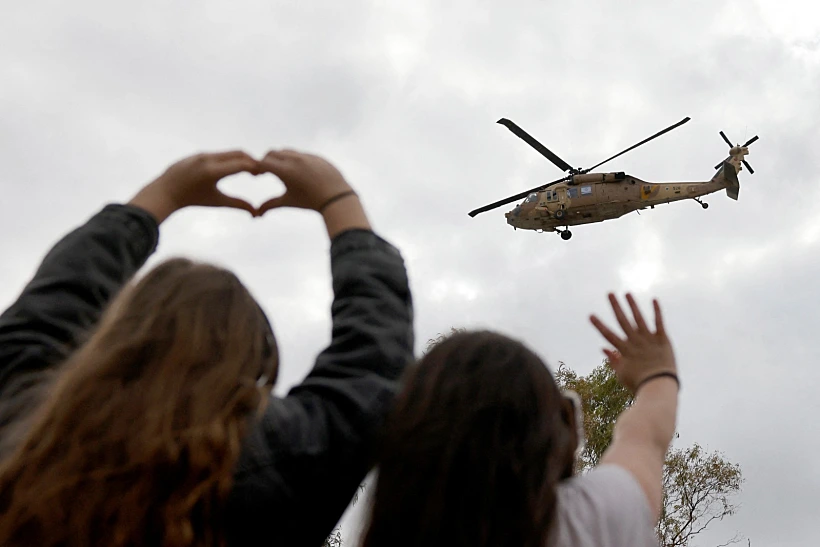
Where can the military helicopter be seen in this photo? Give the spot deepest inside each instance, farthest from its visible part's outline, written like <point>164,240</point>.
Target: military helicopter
<point>582,197</point>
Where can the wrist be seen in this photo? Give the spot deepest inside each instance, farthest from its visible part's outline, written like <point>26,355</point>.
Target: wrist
<point>153,201</point>
<point>667,377</point>
<point>343,194</point>
<point>344,214</point>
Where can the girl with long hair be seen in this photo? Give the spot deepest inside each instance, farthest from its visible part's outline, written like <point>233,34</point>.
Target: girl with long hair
<point>139,411</point>
<point>480,447</point>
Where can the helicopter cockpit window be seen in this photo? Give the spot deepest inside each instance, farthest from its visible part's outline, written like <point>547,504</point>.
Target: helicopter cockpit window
<point>531,198</point>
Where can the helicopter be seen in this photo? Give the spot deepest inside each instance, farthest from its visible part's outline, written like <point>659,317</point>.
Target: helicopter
<point>584,197</point>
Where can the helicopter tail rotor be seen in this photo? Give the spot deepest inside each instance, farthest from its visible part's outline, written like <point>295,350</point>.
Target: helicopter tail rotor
<point>732,146</point>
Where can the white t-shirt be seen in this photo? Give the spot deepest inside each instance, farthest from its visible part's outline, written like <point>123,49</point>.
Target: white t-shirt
<point>605,507</point>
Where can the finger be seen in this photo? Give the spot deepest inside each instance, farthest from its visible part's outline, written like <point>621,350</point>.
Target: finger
<point>659,326</point>
<point>226,167</point>
<point>276,164</point>
<point>229,155</point>
<point>639,320</point>
<point>236,203</point>
<point>221,157</point>
<point>629,330</point>
<point>610,336</point>
<point>613,358</point>
<point>291,153</point>
<point>273,203</point>
<point>285,154</point>
<point>274,154</point>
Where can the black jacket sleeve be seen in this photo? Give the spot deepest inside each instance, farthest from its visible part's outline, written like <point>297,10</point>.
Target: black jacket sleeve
<point>65,298</point>
<point>304,461</point>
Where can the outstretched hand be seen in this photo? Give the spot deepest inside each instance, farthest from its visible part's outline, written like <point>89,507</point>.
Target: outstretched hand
<point>193,182</point>
<point>642,353</point>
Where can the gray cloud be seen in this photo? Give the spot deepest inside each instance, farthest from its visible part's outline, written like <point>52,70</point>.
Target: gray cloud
<point>99,98</point>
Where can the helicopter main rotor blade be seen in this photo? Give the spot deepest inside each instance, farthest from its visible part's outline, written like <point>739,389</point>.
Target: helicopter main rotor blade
<point>511,199</point>
<point>634,146</point>
<point>750,141</point>
<point>749,167</point>
<point>526,137</point>
<point>725,138</point>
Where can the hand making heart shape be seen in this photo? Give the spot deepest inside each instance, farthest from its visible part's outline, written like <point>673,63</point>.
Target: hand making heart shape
<point>310,182</point>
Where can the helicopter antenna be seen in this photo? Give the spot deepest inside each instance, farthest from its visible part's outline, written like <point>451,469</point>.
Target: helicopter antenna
<point>634,146</point>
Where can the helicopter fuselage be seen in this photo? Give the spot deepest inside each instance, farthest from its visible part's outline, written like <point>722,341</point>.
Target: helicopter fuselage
<point>595,197</point>
<point>585,197</point>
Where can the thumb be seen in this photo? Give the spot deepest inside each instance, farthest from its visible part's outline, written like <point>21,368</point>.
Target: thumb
<point>236,203</point>
<point>273,203</point>
<point>614,359</point>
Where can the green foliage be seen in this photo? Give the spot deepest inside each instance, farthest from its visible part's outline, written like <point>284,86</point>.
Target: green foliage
<point>697,491</point>
<point>604,398</point>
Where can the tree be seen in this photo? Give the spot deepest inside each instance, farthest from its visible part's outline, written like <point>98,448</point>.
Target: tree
<point>697,490</point>
<point>698,487</point>
<point>603,399</point>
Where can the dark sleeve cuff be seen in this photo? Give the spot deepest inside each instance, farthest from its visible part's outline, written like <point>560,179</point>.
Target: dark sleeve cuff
<point>139,222</point>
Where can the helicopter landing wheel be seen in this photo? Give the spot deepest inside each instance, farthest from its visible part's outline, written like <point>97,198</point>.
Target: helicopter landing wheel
<point>704,205</point>
<point>565,235</point>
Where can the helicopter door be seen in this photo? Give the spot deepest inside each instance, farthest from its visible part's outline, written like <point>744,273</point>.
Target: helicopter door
<point>563,200</point>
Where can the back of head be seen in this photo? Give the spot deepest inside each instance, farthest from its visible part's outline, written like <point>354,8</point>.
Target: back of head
<point>473,450</point>
<point>137,439</point>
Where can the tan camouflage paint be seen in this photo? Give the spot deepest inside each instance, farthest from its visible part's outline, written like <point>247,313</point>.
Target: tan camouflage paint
<point>595,197</point>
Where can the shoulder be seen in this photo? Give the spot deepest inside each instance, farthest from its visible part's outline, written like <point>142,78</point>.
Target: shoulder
<point>603,507</point>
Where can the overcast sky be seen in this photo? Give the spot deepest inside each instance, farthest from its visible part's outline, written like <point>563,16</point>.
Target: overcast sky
<point>99,97</point>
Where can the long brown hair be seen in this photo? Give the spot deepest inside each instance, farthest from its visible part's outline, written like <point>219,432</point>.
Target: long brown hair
<point>473,450</point>
<point>137,439</point>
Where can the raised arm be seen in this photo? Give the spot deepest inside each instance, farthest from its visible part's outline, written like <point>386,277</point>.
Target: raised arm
<point>69,291</point>
<point>644,362</point>
<point>307,457</point>
<point>87,267</point>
